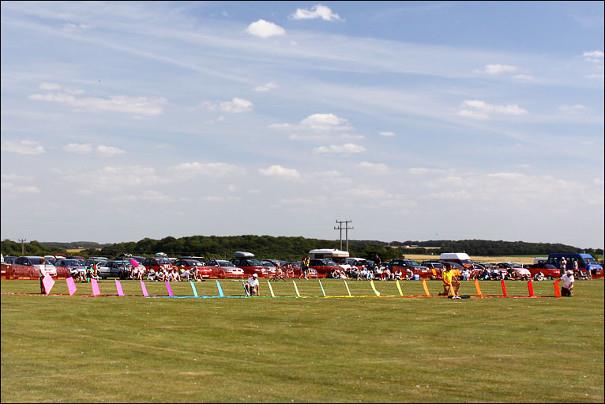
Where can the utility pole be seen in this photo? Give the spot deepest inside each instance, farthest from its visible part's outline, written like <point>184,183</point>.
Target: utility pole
<point>346,228</point>
<point>22,240</point>
<point>340,229</point>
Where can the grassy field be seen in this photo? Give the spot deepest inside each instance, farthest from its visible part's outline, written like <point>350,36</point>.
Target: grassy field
<point>131,349</point>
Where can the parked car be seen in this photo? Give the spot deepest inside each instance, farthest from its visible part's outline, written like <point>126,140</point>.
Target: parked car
<point>548,270</point>
<point>436,268</point>
<point>224,269</point>
<point>457,258</point>
<point>515,270</point>
<point>157,263</point>
<point>357,263</point>
<point>29,267</point>
<point>586,262</point>
<point>50,259</point>
<point>9,259</point>
<point>271,267</point>
<point>188,263</point>
<point>203,269</point>
<point>323,267</point>
<point>405,265</point>
<point>114,269</point>
<point>94,260</point>
<point>249,264</point>
<point>70,267</point>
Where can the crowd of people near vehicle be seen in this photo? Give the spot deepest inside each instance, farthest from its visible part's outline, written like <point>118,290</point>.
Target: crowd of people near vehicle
<point>163,268</point>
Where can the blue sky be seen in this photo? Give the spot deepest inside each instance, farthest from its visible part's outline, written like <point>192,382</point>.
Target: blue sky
<point>415,120</point>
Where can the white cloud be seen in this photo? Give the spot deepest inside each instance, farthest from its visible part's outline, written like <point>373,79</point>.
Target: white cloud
<point>424,171</point>
<point>9,187</point>
<point>265,87</point>
<point>144,196</point>
<point>109,151</point>
<point>12,183</point>
<point>320,126</point>
<point>50,86</point>
<point>387,134</point>
<point>325,122</point>
<point>221,199</point>
<point>481,110</point>
<point>72,27</point>
<point>117,103</point>
<point>27,147</point>
<point>498,69</point>
<point>348,148</point>
<point>506,176</point>
<point>114,177</point>
<point>524,77</point>
<point>279,171</point>
<point>265,29</point>
<point>236,105</point>
<point>212,169</point>
<point>378,168</point>
<point>317,11</point>
<point>78,148</point>
<point>594,56</point>
<point>572,109</point>
<point>331,178</point>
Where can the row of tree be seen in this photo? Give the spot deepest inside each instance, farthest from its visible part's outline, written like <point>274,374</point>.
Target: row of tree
<point>288,247</point>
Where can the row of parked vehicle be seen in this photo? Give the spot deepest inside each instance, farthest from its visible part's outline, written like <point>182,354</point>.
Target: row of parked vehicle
<point>323,263</point>
<point>122,267</point>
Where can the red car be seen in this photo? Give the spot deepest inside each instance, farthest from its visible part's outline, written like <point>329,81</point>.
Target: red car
<point>203,270</point>
<point>223,269</point>
<point>251,266</point>
<point>404,265</point>
<point>549,271</point>
<point>324,267</point>
<point>157,264</point>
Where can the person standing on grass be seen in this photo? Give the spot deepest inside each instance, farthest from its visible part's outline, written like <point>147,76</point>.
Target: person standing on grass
<point>567,282</point>
<point>575,267</point>
<point>563,265</point>
<point>42,275</point>
<point>304,267</point>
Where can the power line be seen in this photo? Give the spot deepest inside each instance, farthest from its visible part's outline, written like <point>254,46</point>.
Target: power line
<point>22,240</point>
<point>346,229</point>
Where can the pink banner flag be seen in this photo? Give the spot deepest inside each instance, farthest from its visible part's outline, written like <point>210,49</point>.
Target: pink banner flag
<point>169,289</point>
<point>119,288</point>
<point>144,289</point>
<point>71,285</point>
<point>48,283</point>
<point>95,287</point>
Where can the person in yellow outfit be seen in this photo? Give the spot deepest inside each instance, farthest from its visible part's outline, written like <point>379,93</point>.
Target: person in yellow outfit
<point>450,283</point>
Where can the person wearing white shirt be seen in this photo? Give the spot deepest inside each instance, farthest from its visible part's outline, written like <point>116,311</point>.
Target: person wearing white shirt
<point>43,272</point>
<point>252,286</point>
<point>567,281</point>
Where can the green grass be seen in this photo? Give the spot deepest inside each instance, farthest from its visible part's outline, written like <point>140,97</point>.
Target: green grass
<point>108,349</point>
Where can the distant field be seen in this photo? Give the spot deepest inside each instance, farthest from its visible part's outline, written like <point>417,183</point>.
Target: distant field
<point>132,349</point>
<point>74,250</point>
<point>477,258</point>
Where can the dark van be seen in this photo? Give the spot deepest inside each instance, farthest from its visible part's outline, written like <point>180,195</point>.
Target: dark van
<point>586,262</point>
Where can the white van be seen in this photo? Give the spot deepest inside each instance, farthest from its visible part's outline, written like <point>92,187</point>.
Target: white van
<point>320,253</point>
<point>457,258</point>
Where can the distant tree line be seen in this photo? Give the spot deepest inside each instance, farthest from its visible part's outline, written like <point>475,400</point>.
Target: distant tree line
<point>498,247</point>
<point>288,247</point>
